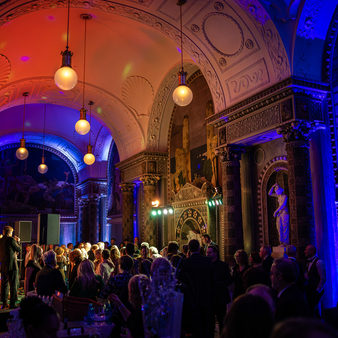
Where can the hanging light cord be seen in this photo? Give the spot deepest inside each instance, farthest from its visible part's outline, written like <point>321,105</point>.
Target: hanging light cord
<point>84,61</point>
<point>44,131</point>
<point>68,23</point>
<point>90,116</point>
<point>24,114</point>
<point>181,37</point>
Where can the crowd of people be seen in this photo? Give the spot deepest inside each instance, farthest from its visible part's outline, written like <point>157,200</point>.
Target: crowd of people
<point>251,296</point>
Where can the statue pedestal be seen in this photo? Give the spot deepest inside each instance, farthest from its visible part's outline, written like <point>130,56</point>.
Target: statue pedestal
<point>278,252</point>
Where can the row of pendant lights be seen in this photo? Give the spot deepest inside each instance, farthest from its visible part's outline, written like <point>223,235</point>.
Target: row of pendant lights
<point>66,79</point>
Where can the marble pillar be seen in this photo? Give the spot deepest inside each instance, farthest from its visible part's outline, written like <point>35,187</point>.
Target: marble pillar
<point>231,231</point>
<point>127,211</point>
<point>302,222</point>
<point>149,231</point>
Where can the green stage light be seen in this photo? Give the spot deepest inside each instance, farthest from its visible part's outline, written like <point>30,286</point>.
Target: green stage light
<point>171,211</point>
<point>213,203</point>
<point>154,213</point>
<point>159,212</point>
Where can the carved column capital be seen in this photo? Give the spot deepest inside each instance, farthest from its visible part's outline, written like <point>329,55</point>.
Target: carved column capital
<point>149,180</point>
<point>230,153</point>
<point>127,187</point>
<point>297,131</point>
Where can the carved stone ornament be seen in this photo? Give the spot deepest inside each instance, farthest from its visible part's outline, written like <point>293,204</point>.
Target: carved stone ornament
<point>296,131</point>
<point>127,187</point>
<point>149,179</point>
<point>231,153</point>
<point>189,192</point>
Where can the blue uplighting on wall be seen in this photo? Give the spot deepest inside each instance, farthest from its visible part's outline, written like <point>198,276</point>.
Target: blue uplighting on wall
<point>135,221</point>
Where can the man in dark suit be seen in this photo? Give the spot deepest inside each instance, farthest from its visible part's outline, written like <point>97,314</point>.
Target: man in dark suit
<point>267,260</point>
<point>290,299</point>
<point>196,277</point>
<point>9,248</point>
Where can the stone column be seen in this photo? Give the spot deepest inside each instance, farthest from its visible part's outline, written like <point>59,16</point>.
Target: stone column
<point>302,222</point>
<point>231,231</point>
<point>89,219</point>
<point>127,211</point>
<point>149,226</point>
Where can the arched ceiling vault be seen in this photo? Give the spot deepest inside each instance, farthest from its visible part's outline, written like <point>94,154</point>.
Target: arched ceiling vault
<point>131,49</point>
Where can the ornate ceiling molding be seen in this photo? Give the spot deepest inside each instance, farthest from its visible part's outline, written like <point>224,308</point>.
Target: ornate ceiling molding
<point>9,11</point>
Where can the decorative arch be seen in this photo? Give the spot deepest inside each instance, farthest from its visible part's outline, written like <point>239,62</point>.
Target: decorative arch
<point>193,215</point>
<point>276,164</point>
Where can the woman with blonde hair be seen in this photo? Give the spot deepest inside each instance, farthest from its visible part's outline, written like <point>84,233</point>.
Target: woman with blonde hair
<point>115,256</point>
<point>87,284</point>
<point>61,261</point>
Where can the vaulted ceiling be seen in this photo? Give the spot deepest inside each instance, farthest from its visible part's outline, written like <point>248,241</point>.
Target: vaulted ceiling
<point>132,59</point>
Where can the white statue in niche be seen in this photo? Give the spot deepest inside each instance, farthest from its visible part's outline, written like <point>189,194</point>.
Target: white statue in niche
<point>281,213</point>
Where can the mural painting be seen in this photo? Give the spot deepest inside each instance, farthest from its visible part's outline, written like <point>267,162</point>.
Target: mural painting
<point>192,144</point>
<point>24,190</point>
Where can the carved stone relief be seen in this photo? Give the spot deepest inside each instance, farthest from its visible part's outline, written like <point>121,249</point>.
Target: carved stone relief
<point>225,44</point>
<point>254,123</point>
<point>5,69</point>
<point>270,35</point>
<point>248,80</point>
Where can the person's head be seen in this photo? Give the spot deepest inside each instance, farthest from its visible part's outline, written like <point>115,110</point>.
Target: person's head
<point>206,239</point>
<point>86,268</point>
<point>137,285</point>
<point>34,253</point>
<point>249,316</point>
<point>70,246</point>
<point>114,252</point>
<point>87,246</point>
<point>38,319</point>
<point>94,247</point>
<point>164,251</point>
<point>212,253</point>
<point>75,256</point>
<point>161,271</point>
<point>291,251</point>
<point>59,251</point>
<point>101,245</point>
<point>265,251</point>
<point>126,263</point>
<point>98,254</point>
<point>283,273</point>
<point>175,260</point>
<point>49,258</point>
<point>241,257</point>
<point>112,241</point>
<point>153,250</point>
<point>144,250</point>
<point>263,291</point>
<point>255,258</point>
<point>173,247</point>
<point>303,328</point>
<point>130,249</point>
<point>185,249</point>
<point>105,254</point>
<point>194,246</point>
<point>310,251</point>
<point>8,231</point>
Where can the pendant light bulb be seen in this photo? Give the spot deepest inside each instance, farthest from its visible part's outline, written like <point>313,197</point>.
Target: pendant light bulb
<point>82,126</point>
<point>42,168</point>
<point>89,158</point>
<point>65,77</point>
<point>182,95</point>
<point>22,152</point>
